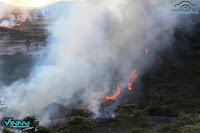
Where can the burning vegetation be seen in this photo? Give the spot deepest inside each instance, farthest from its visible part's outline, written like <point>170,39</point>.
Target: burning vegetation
<point>111,53</point>
<point>118,91</point>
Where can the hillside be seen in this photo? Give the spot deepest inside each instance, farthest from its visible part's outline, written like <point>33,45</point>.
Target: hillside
<point>168,102</point>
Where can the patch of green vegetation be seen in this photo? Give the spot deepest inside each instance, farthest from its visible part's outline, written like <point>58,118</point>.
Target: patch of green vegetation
<point>175,83</point>
<point>6,131</point>
<point>33,123</point>
<point>191,128</point>
<point>36,125</point>
<point>169,128</point>
<point>125,110</point>
<point>79,124</point>
<point>43,130</point>
<point>127,117</point>
<point>190,123</point>
<point>80,112</point>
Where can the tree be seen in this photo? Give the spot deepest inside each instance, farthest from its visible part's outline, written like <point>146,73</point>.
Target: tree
<point>33,123</point>
<point>43,130</point>
<point>80,112</point>
<point>79,124</point>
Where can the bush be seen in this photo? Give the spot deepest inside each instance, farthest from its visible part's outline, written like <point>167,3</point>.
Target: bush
<point>125,110</point>
<point>33,123</point>
<point>43,130</point>
<point>191,128</point>
<point>80,112</point>
<point>189,119</point>
<point>127,117</point>
<point>190,123</point>
<point>170,128</point>
<point>79,124</point>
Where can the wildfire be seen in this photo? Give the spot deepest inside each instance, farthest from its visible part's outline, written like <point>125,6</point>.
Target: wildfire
<point>131,115</point>
<point>134,76</point>
<point>148,38</point>
<point>110,97</point>
<point>13,26</point>
<point>119,90</point>
<point>146,51</point>
<point>88,107</point>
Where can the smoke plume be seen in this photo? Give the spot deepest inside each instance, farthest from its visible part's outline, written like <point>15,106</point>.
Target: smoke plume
<point>92,49</point>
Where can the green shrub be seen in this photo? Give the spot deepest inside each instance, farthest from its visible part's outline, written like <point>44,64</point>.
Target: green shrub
<point>79,124</point>
<point>191,128</point>
<point>80,112</point>
<point>189,119</point>
<point>170,128</point>
<point>190,123</point>
<point>127,117</point>
<point>43,130</point>
<point>33,123</point>
<point>125,110</point>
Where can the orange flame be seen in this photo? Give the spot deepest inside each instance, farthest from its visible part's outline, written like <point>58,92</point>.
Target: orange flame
<point>131,115</point>
<point>13,26</point>
<point>146,51</point>
<point>88,107</point>
<point>108,98</point>
<point>134,76</point>
<point>119,90</point>
<point>115,95</point>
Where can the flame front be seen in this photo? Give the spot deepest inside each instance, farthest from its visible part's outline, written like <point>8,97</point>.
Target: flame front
<point>146,51</point>
<point>134,76</point>
<point>119,90</point>
<point>13,26</point>
<point>110,97</point>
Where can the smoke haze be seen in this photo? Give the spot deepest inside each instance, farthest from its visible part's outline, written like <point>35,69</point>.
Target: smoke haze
<point>93,48</point>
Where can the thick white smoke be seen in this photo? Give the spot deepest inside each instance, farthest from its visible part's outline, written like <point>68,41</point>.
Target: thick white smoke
<point>93,49</point>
